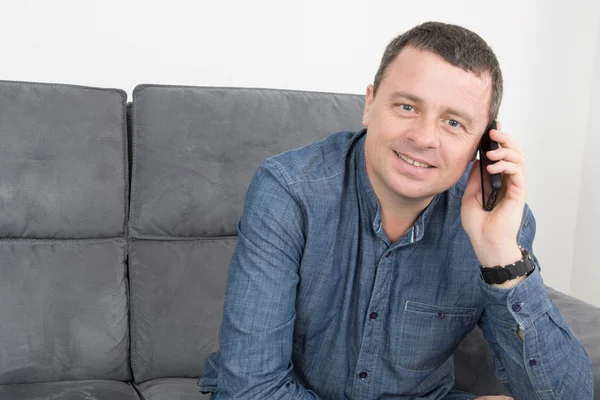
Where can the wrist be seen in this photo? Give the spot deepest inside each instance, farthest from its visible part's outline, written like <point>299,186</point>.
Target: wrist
<point>511,274</point>
<point>511,283</point>
<point>499,257</point>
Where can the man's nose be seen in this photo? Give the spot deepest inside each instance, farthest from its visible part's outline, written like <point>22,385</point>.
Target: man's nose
<point>425,133</point>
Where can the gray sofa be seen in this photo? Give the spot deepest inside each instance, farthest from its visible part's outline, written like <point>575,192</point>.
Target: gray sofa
<point>118,222</point>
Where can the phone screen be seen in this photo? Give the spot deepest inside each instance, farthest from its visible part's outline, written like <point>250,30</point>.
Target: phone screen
<point>490,183</point>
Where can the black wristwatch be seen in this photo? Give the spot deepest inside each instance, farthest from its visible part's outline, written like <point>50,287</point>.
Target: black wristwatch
<point>498,274</point>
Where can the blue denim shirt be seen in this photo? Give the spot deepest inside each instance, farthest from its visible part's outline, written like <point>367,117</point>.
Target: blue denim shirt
<point>320,305</point>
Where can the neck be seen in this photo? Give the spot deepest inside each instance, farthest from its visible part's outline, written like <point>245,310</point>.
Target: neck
<point>399,215</point>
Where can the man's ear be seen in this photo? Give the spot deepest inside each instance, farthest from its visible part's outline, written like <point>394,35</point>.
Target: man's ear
<point>476,151</point>
<point>368,100</point>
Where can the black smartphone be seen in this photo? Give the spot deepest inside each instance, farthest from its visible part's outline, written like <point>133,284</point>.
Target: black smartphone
<point>490,183</point>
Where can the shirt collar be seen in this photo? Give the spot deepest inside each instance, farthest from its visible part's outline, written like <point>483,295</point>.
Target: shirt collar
<point>370,202</point>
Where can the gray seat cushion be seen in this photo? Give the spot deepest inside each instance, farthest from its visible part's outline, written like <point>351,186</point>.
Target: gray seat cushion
<point>177,291</point>
<point>171,389</point>
<point>63,308</point>
<point>474,366</point>
<point>71,390</point>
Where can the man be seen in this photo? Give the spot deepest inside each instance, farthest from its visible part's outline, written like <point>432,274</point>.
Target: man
<point>357,270</point>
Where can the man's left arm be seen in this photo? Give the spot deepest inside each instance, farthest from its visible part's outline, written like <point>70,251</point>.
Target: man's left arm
<point>534,350</point>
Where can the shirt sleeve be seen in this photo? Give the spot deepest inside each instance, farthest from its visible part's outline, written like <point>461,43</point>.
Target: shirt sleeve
<point>259,312</point>
<point>549,361</point>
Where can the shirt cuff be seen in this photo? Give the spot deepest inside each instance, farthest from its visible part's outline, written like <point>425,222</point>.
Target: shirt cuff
<point>522,304</point>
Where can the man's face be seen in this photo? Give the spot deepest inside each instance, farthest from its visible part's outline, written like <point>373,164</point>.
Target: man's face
<point>424,125</point>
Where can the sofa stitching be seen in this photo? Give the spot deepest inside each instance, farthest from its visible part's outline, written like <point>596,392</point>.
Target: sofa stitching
<point>125,161</point>
<point>184,238</point>
<point>133,184</point>
<point>60,241</point>
<point>141,87</point>
<point>128,297</point>
<point>64,85</point>
<point>133,348</point>
<point>132,327</point>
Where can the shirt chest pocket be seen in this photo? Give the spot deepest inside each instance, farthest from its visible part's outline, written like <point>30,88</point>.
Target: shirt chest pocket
<point>430,334</point>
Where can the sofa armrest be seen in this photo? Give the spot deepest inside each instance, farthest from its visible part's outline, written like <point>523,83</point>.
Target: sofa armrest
<point>584,322</point>
<point>474,360</point>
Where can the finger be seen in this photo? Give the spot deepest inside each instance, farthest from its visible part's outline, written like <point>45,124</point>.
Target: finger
<point>513,171</point>
<point>505,167</point>
<point>507,155</point>
<point>505,140</point>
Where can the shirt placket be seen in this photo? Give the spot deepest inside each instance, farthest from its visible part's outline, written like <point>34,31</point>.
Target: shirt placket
<point>365,372</point>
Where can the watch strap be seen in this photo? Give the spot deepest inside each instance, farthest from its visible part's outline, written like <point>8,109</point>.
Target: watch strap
<point>499,274</point>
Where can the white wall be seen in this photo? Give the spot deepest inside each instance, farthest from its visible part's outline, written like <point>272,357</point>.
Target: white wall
<point>586,262</point>
<point>546,50</point>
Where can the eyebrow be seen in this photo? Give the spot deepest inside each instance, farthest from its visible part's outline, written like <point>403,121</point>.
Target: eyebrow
<point>408,96</point>
<point>418,100</point>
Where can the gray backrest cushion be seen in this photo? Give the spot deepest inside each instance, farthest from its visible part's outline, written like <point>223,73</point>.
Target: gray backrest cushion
<point>63,165</point>
<point>63,287</point>
<point>474,358</point>
<point>194,152</point>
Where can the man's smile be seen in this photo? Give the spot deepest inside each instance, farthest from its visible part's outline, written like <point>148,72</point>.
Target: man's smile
<point>416,163</point>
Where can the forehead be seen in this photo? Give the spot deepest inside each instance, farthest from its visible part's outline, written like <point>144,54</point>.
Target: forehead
<point>430,77</point>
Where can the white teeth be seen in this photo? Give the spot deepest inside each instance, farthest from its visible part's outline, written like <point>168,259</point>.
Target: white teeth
<point>413,162</point>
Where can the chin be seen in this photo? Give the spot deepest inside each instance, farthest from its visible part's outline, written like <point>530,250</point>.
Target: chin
<point>415,194</point>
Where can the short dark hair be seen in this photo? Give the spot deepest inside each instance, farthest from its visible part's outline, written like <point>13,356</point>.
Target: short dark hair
<point>455,44</point>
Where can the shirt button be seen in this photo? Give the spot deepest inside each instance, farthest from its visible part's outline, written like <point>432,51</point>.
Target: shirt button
<point>532,362</point>
<point>388,254</point>
<point>363,374</point>
<point>516,307</point>
<point>373,315</point>
<point>441,315</point>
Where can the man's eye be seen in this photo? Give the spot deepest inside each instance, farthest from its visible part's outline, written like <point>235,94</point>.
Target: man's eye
<point>406,107</point>
<point>453,123</point>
